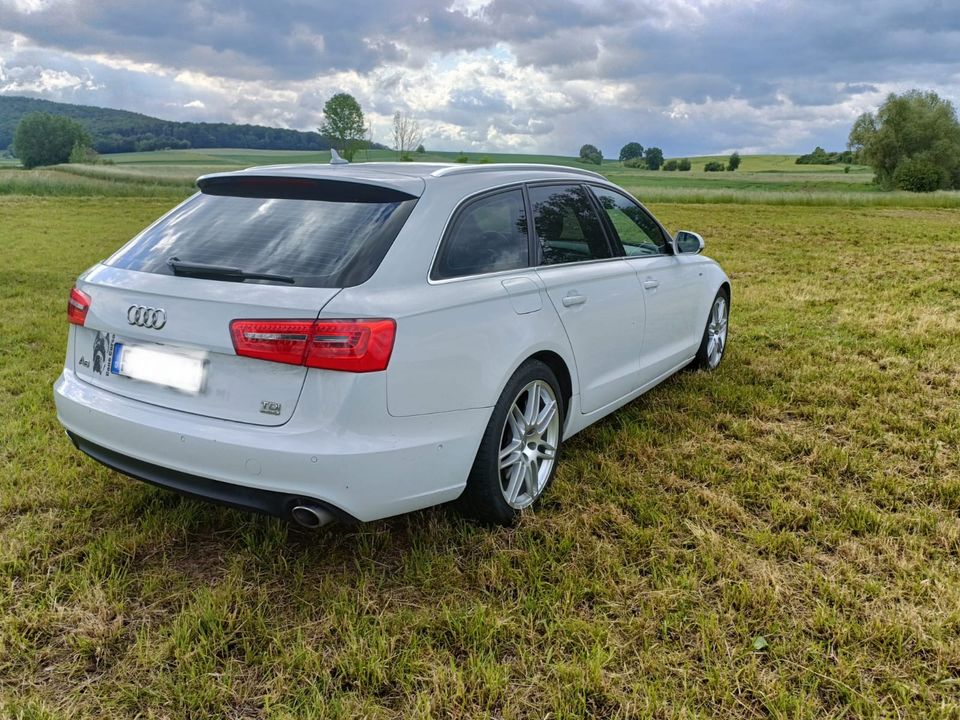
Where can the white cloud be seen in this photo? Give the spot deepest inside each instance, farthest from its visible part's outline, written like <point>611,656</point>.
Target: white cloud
<point>690,76</point>
<point>34,79</point>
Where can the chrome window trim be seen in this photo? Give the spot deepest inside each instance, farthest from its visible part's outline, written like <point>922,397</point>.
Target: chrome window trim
<point>530,269</point>
<point>447,227</point>
<point>668,238</point>
<point>522,185</point>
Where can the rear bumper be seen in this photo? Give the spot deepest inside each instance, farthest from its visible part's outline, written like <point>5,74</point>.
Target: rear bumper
<point>342,450</point>
<point>267,502</point>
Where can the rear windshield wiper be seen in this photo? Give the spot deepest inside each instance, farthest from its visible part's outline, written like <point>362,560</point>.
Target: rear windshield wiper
<point>221,272</point>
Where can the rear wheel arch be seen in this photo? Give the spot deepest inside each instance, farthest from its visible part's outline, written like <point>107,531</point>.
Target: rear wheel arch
<point>559,367</point>
<point>517,456</point>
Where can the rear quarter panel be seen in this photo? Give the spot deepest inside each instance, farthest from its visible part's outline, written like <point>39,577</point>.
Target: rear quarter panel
<point>457,342</point>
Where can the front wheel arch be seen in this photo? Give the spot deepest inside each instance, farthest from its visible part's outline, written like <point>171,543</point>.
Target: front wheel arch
<point>703,360</point>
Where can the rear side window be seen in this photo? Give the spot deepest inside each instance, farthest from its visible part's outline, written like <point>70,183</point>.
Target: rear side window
<point>567,227</point>
<point>488,235</point>
<point>318,233</point>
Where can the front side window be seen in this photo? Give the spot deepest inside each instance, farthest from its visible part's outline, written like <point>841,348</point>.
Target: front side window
<point>488,235</point>
<point>567,226</point>
<point>639,233</point>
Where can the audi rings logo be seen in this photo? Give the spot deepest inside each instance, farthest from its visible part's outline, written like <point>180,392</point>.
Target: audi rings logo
<point>146,317</point>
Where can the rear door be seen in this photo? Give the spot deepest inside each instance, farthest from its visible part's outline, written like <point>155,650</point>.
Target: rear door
<point>594,292</point>
<point>266,249</point>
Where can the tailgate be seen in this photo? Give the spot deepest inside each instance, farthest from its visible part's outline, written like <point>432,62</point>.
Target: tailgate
<point>181,337</point>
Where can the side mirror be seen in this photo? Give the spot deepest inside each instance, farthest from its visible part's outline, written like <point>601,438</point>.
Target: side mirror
<point>689,242</point>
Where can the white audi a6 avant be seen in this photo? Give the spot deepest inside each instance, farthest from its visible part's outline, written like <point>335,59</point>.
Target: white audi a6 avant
<point>357,341</point>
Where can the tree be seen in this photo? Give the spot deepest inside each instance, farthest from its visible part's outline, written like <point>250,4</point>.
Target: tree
<point>917,175</point>
<point>343,124</point>
<point>918,128</point>
<point>671,165</point>
<point>82,153</point>
<point>591,154</point>
<point>713,166</point>
<point>819,156</point>
<point>421,149</point>
<point>734,162</point>
<point>653,157</point>
<point>45,139</point>
<point>684,165</point>
<point>406,134</point>
<point>631,150</point>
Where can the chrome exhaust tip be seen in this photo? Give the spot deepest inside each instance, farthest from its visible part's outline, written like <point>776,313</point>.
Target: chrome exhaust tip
<point>311,516</point>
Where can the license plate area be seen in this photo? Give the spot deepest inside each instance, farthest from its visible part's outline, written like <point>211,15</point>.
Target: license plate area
<point>177,369</point>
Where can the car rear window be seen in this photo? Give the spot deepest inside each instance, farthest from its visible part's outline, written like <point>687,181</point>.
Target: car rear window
<point>320,233</point>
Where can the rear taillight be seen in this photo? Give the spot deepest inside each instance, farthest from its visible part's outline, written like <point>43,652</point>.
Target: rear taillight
<point>77,306</point>
<point>348,345</point>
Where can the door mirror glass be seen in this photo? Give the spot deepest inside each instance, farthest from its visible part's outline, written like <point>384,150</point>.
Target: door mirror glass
<point>689,242</point>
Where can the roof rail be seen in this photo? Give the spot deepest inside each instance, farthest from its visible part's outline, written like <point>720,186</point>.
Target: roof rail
<point>499,167</point>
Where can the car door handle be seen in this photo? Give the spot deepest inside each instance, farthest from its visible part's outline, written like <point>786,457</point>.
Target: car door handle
<point>573,299</point>
<point>650,283</point>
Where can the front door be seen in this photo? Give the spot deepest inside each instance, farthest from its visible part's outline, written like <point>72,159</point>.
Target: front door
<point>668,282</point>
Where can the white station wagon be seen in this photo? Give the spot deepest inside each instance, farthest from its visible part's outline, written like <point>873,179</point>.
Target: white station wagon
<point>357,341</point>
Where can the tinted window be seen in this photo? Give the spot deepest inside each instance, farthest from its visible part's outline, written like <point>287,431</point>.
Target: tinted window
<point>567,226</point>
<point>488,235</point>
<point>318,242</point>
<point>638,232</point>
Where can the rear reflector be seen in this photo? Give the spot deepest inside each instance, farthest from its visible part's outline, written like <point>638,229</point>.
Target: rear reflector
<point>77,306</point>
<point>348,345</point>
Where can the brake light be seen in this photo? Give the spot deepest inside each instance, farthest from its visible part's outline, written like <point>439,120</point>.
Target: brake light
<point>348,345</point>
<point>77,306</point>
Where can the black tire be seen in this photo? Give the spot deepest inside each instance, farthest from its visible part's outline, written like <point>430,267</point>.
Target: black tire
<point>484,497</point>
<point>703,359</point>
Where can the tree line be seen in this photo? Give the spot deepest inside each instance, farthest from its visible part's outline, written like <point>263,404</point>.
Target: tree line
<point>43,138</point>
<point>111,130</point>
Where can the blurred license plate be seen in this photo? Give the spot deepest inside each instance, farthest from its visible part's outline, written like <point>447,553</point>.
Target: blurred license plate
<point>159,367</point>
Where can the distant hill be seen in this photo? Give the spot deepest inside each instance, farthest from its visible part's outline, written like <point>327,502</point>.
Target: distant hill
<point>122,131</point>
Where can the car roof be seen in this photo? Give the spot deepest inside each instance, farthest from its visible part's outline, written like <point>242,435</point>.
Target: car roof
<point>413,177</point>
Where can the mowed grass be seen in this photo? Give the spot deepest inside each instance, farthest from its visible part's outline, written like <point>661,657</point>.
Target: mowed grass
<point>780,538</point>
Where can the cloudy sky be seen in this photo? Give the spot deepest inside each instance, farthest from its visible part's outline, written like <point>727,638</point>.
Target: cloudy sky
<point>692,76</point>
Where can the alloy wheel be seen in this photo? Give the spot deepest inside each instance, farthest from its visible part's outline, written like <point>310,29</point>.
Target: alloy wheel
<point>717,332</point>
<point>528,444</point>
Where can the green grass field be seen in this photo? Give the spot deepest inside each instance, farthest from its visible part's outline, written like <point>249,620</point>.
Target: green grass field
<point>761,179</point>
<point>780,538</point>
